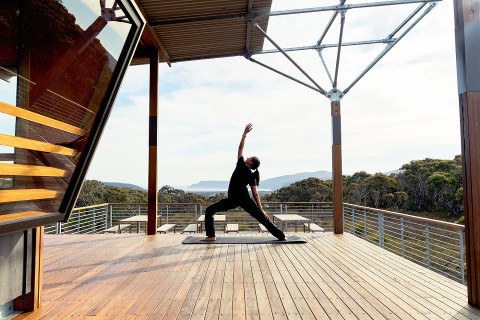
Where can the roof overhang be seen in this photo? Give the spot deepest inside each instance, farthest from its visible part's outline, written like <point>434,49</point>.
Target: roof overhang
<point>186,30</point>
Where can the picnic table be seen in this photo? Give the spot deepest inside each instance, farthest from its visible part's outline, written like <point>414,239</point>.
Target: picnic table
<point>216,218</point>
<point>285,218</point>
<point>134,220</point>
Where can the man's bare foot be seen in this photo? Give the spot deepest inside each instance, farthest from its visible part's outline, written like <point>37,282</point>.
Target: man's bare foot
<point>208,239</point>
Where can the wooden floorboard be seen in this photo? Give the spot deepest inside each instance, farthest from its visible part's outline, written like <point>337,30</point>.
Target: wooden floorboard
<point>133,276</point>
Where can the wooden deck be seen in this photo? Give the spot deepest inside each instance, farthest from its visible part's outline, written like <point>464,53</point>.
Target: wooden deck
<point>132,276</point>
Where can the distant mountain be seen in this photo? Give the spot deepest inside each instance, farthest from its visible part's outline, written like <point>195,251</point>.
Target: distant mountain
<point>270,184</point>
<point>123,185</point>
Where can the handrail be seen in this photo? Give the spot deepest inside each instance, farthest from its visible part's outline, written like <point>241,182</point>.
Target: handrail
<point>440,222</point>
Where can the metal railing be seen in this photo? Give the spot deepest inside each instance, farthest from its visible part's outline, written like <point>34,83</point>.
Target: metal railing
<point>435,244</point>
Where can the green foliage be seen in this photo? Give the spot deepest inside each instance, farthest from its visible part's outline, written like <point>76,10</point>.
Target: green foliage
<point>461,220</point>
<point>95,192</point>
<point>308,190</point>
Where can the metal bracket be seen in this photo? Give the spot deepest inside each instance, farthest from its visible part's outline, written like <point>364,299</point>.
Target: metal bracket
<point>335,95</point>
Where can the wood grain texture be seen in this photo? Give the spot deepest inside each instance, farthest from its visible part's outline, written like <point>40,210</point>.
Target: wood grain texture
<point>23,143</point>
<point>38,118</point>
<point>132,276</point>
<point>28,170</point>
<point>26,194</point>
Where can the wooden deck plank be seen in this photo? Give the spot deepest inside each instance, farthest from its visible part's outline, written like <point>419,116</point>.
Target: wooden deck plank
<point>398,281</point>
<point>264,308</point>
<point>345,276</point>
<point>155,277</point>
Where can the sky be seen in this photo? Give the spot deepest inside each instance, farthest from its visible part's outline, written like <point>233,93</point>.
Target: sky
<point>404,109</point>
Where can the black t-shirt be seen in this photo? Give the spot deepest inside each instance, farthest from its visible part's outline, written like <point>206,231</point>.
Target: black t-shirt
<point>241,177</point>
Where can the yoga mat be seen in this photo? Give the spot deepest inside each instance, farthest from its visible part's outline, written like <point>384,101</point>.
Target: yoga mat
<point>243,240</point>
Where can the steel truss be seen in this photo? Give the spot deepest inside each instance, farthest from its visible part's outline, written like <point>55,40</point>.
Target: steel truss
<point>335,94</point>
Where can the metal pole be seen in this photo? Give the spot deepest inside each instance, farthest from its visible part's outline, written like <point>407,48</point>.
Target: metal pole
<point>462,261</point>
<point>78,221</point>
<point>111,215</point>
<point>380,229</point>
<point>353,220</point>
<point>402,237</point>
<point>389,47</point>
<point>329,24</point>
<point>365,223</point>
<point>283,74</point>
<point>342,23</point>
<point>325,65</point>
<point>93,226</point>
<point>414,13</point>
<point>427,245</point>
<point>167,213</point>
<point>106,217</point>
<point>322,91</point>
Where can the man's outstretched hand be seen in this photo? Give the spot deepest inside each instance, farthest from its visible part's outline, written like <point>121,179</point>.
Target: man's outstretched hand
<point>248,128</point>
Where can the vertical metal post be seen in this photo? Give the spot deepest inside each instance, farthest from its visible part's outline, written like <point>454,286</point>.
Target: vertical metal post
<point>93,220</point>
<point>337,168</point>
<point>78,221</point>
<point>353,220</point>
<point>106,217</point>
<point>152,145</point>
<point>467,34</point>
<point>167,213</point>
<point>281,211</point>
<point>427,245</point>
<point>380,229</point>
<point>111,215</point>
<point>196,216</point>
<point>365,224</point>
<point>462,261</point>
<point>402,237</point>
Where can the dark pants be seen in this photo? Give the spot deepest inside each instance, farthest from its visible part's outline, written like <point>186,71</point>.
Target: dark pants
<point>248,205</point>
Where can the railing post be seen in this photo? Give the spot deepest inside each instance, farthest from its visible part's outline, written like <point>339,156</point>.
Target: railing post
<point>111,215</point>
<point>380,229</point>
<point>462,262</point>
<point>365,224</point>
<point>93,220</point>
<point>167,213</point>
<point>78,221</point>
<point>427,245</point>
<point>196,214</point>
<point>353,220</point>
<point>106,217</point>
<point>139,209</point>
<point>402,237</point>
<point>281,210</point>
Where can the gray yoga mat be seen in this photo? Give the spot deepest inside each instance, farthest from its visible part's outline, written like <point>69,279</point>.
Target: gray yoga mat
<point>243,240</point>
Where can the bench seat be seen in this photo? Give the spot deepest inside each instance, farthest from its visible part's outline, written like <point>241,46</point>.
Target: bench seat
<point>190,228</point>
<point>313,227</point>
<point>166,227</point>
<point>232,227</point>
<point>115,228</point>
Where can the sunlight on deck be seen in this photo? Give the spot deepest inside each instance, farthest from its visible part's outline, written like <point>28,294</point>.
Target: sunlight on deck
<point>132,276</point>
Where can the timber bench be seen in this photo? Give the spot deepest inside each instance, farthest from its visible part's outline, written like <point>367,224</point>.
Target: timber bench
<point>115,229</point>
<point>190,228</point>
<point>313,227</point>
<point>231,227</point>
<point>166,227</point>
<point>261,228</point>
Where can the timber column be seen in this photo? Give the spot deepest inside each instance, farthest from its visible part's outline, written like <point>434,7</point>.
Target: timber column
<point>337,168</point>
<point>467,43</point>
<point>152,144</point>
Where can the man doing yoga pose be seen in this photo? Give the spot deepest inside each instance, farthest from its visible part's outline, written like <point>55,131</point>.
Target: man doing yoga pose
<point>238,194</point>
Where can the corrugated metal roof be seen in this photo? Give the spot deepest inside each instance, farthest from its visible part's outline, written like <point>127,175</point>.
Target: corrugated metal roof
<point>203,29</point>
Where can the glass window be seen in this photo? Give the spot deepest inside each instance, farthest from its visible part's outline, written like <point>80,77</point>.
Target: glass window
<point>58,64</point>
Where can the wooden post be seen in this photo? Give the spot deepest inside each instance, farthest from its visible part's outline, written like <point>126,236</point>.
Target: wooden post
<point>467,42</point>
<point>337,168</point>
<point>32,300</point>
<point>152,145</point>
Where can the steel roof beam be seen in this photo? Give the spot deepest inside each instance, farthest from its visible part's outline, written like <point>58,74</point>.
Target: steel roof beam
<point>389,47</point>
<point>180,20</point>
<point>288,57</point>
<point>329,24</point>
<point>339,48</point>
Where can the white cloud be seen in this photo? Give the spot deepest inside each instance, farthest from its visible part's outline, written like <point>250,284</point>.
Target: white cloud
<point>405,108</point>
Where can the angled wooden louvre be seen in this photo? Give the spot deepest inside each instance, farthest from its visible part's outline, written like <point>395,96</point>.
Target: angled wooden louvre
<point>29,170</point>
<point>38,118</point>
<point>17,142</point>
<point>26,195</point>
